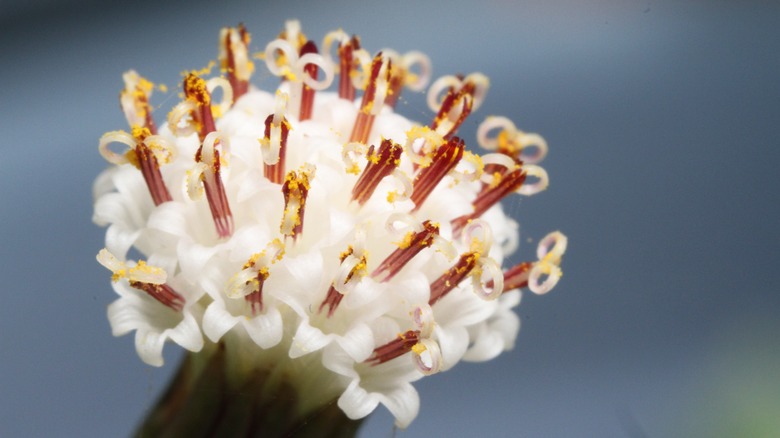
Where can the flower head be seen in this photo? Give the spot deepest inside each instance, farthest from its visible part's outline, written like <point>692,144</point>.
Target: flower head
<point>317,230</point>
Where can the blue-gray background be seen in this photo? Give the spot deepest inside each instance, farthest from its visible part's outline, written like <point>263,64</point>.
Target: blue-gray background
<point>662,118</point>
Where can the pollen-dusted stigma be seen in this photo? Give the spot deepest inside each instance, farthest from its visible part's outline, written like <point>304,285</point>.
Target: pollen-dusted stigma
<point>321,231</point>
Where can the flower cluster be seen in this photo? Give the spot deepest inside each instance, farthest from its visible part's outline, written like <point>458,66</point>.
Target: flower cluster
<point>317,230</point>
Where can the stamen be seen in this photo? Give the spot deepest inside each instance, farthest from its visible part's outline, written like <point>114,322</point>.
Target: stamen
<point>444,159</point>
<point>502,185</point>
<point>487,278</point>
<point>431,141</point>
<point>197,105</point>
<point>373,98</point>
<point>401,74</point>
<point>208,172</point>
<point>146,152</point>
<point>195,91</point>
<point>300,69</point>
<point>295,190</point>
<point>380,164</point>
<point>462,97</point>
<point>143,277</point>
<point>134,100</point>
<point>426,353</point>
<point>248,283</point>
<point>274,144</point>
<point>234,58</point>
<point>353,267</point>
<point>412,243</point>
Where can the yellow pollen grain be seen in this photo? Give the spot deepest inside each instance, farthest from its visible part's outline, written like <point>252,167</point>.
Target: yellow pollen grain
<point>407,240</point>
<point>496,180</point>
<point>196,89</point>
<point>419,348</point>
<point>143,268</point>
<point>140,133</point>
<point>145,85</point>
<point>252,261</point>
<point>132,158</point>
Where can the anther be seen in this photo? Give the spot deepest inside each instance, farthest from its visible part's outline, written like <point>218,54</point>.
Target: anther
<point>381,163</point>
<point>234,58</point>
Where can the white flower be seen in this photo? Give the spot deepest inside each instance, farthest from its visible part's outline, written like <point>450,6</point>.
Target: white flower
<point>330,232</point>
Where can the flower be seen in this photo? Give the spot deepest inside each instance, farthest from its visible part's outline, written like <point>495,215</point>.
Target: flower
<point>319,233</point>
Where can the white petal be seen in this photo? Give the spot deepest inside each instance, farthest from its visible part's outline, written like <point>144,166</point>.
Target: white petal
<point>217,321</point>
<point>187,333</point>
<point>358,342</point>
<point>265,329</point>
<point>307,340</point>
<point>453,342</point>
<point>149,345</point>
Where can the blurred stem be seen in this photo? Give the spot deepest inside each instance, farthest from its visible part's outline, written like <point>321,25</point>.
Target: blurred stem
<point>205,399</point>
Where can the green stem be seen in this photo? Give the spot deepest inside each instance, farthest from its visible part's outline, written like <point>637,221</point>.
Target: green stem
<point>205,400</point>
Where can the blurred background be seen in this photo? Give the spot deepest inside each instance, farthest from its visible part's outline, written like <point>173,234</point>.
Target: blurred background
<point>662,120</point>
